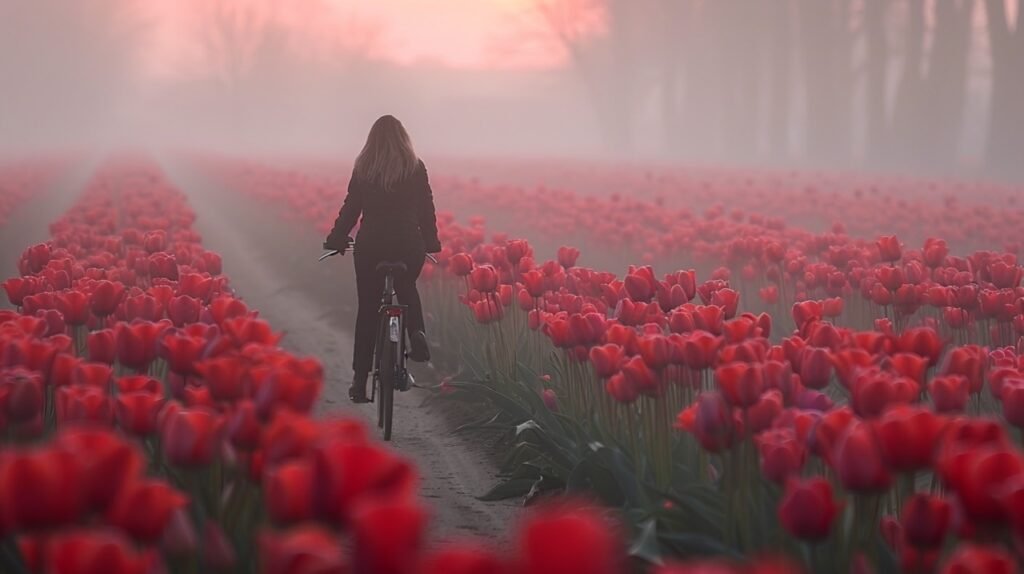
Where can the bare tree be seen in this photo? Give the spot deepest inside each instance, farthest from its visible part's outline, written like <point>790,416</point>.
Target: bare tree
<point>68,68</point>
<point>1006,112</point>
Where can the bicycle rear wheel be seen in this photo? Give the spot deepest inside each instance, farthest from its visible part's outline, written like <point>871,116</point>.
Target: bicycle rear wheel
<point>386,406</point>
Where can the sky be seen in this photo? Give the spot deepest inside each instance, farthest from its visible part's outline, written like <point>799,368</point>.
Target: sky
<point>471,34</point>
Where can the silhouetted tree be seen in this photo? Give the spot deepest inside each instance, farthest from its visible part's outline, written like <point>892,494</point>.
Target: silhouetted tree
<point>1006,110</point>
<point>67,69</point>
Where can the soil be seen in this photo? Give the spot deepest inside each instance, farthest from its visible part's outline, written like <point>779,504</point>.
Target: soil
<point>272,263</point>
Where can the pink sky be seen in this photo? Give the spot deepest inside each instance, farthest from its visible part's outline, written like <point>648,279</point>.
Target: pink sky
<point>458,33</point>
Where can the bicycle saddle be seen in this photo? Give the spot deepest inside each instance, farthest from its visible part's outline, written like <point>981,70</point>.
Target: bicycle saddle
<point>392,267</point>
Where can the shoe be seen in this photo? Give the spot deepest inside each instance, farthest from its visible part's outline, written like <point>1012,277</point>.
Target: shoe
<point>357,390</point>
<point>418,349</point>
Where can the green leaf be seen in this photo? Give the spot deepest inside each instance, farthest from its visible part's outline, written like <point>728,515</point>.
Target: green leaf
<point>692,543</point>
<point>646,545</point>
<point>509,489</point>
<point>589,476</point>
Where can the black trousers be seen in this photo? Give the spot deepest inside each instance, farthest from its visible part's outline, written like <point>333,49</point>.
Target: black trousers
<point>370,287</point>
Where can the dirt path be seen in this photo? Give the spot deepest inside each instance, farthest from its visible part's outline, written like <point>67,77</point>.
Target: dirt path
<point>272,265</point>
<point>30,222</point>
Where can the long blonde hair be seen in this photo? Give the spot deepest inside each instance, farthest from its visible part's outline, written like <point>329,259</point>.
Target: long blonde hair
<point>388,156</point>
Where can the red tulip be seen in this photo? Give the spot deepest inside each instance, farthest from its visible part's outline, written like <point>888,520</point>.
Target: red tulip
<point>607,359</point>
<point>290,388</point>
<point>741,383</point>
<point>484,279</point>
<point>782,454</point>
<point>567,256</point>
<point>728,300</point>
<point>641,376</point>
<point>184,310</point>
<point>935,252</point>
<point>96,551</point>
<point>135,383</point>
<point>970,558</point>
<point>950,393</point>
<point>808,509</point>
<point>858,460</point>
<point>1012,396</point>
<point>137,343</point>
<point>74,305</point>
<point>621,389</point>
<point>36,257</point>
<point>815,367</point>
<point>925,519</point>
<point>196,285</point>
<point>102,346</point>
<point>306,549</point>
<point>243,426</point>
<point>155,241</point>
<point>713,423</point>
<point>568,541</point>
<point>289,436</point>
<point>78,403</point>
<point>908,437</point>
<point>345,472</point>
<point>889,248</point>
<point>18,288</point>
<point>979,477</point>
<point>288,492</point>
<point>806,312</point>
<point>969,362</point>
<point>145,307</point>
<point>92,374</point>
<point>105,298</point>
<point>39,488</point>
<point>461,264</point>
<point>143,508</point>
<point>701,350</point>
<point>874,391</point>
<point>654,349</point>
<point>245,330</point>
<point>462,559</point>
<point>182,353</point>
<point>638,287</point>
<point>516,249</point>
<point>190,437</point>
<point>136,412</point>
<point>922,341</point>
<point>25,393</point>
<point>225,307</point>
<point>387,536</point>
<point>910,366</point>
<point>111,463</point>
<point>62,370</point>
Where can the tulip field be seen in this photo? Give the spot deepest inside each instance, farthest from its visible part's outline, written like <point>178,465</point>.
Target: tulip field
<point>825,373</point>
<point>152,423</point>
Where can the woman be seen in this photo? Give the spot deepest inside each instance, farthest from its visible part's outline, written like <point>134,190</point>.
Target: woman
<point>389,188</point>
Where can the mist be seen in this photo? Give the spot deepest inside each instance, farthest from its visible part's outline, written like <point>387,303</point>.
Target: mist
<point>910,86</point>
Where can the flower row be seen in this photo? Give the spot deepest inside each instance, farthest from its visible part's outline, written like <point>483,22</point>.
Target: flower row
<point>152,423</point>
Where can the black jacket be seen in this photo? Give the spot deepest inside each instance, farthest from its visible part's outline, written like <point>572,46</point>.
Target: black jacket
<point>398,221</point>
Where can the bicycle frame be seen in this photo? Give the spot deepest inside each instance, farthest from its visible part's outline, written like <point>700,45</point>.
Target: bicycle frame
<point>390,348</point>
<point>393,333</point>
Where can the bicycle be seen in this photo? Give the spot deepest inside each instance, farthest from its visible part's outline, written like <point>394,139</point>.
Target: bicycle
<point>389,353</point>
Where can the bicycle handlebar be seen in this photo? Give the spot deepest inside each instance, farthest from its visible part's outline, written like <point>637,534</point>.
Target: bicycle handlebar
<point>352,245</point>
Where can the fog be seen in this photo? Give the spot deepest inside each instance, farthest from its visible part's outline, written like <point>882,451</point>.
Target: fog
<point>912,86</point>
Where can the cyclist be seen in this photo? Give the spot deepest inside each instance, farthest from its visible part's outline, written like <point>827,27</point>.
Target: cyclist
<point>389,188</point>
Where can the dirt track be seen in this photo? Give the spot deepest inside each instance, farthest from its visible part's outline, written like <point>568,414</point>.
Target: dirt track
<point>272,265</point>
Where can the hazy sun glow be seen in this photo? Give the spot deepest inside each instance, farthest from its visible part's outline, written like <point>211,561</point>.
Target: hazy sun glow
<point>479,34</point>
